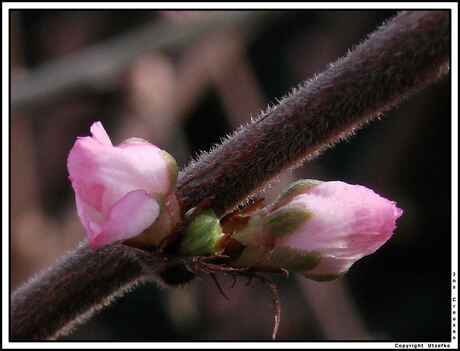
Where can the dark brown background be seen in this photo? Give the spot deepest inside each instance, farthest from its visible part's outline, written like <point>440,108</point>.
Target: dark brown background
<point>184,99</point>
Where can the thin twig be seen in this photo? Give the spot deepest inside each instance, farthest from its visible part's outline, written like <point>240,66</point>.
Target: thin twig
<point>234,282</point>
<point>213,276</point>
<point>406,54</point>
<point>276,301</point>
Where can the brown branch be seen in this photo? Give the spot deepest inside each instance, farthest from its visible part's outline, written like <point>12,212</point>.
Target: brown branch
<point>398,59</point>
<point>404,55</point>
<point>75,286</point>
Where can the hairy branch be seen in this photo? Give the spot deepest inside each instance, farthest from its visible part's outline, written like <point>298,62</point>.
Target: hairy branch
<point>401,57</point>
<point>77,285</point>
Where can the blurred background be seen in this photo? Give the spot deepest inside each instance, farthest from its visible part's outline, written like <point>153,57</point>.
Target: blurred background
<point>183,80</point>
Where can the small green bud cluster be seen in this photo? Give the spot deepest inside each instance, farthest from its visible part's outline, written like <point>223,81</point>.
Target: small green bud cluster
<point>202,233</point>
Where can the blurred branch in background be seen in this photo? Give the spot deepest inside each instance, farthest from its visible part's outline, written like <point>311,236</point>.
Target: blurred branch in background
<point>97,66</point>
<point>162,92</point>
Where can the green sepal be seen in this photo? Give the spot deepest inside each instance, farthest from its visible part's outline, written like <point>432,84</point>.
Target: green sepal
<point>201,234</point>
<point>250,255</point>
<point>323,277</point>
<point>161,200</point>
<point>293,259</point>
<point>253,234</point>
<point>296,188</point>
<point>281,257</point>
<point>286,220</point>
<point>173,170</point>
<point>264,227</point>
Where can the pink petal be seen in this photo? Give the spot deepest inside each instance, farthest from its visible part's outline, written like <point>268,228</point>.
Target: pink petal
<point>149,166</point>
<point>349,222</point>
<point>131,215</point>
<point>330,265</point>
<point>99,134</point>
<point>104,174</point>
<point>91,219</point>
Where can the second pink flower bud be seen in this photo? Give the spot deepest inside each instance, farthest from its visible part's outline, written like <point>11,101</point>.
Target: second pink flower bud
<point>318,229</point>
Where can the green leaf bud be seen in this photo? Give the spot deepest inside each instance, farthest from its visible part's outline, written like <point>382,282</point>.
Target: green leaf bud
<point>201,234</point>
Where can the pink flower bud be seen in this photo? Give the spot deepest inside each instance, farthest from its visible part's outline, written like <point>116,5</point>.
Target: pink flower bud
<point>119,190</point>
<point>320,228</point>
